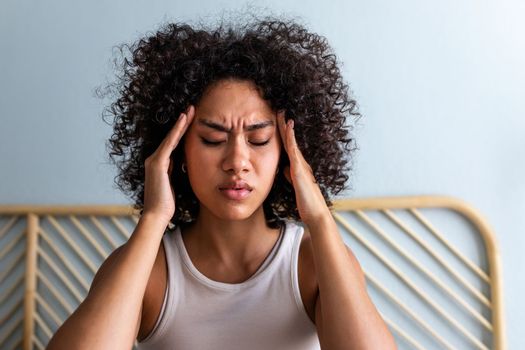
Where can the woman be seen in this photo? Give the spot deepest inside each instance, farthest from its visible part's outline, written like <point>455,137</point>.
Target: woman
<point>233,138</point>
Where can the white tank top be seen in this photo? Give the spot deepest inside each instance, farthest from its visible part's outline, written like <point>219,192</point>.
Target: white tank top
<point>264,312</point>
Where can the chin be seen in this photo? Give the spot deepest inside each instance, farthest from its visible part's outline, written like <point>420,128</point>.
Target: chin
<point>232,211</point>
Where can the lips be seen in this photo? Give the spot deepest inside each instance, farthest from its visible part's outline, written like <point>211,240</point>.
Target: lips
<point>235,195</point>
<point>235,190</point>
<point>235,185</point>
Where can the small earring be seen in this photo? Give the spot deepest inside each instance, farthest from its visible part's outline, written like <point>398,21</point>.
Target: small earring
<point>184,169</point>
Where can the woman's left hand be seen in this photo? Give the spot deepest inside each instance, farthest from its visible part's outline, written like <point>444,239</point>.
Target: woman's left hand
<point>310,201</point>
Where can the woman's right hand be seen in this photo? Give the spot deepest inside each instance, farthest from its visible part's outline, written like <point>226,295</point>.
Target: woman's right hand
<point>159,195</point>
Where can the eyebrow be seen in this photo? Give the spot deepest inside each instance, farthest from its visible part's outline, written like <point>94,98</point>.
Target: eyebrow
<point>222,128</point>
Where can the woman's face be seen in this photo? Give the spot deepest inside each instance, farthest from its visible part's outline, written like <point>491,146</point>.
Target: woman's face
<point>233,139</point>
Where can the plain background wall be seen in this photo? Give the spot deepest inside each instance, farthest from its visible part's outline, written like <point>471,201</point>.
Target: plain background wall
<point>441,87</point>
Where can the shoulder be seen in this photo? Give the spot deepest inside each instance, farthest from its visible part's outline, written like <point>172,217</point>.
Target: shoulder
<point>308,277</point>
<point>306,251</point>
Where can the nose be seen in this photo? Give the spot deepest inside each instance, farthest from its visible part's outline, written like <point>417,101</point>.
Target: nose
<point>237,158</point>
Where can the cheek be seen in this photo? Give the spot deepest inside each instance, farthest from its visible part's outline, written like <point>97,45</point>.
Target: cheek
<point>196,154</point>
<point>270,159</point>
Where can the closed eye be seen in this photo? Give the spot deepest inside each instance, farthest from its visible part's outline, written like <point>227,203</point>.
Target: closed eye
<point>216,143</point>
<point>211,143</point>
<point>260,143</point>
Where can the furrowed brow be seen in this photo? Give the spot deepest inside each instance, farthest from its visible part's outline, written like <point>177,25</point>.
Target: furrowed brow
<point>222,128</point>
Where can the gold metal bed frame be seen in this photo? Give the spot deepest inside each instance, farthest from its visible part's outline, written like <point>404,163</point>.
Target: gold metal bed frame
<point>29,228</point>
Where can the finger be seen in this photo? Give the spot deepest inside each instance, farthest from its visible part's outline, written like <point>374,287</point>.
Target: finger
<point>189,115</point>
<point>282,129</point>
<point>295,154</point>
<point>173,137</point>
<point>291,142</point>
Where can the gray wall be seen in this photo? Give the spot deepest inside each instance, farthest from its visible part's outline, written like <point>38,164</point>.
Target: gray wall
<point>441,86</point>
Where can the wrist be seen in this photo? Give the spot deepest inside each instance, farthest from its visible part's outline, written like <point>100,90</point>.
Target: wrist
<point>154,222</point>
<point>152,216</point>
<point>322,221</point>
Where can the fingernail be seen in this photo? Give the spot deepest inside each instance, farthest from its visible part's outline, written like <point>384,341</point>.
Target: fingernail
<point>291,123</point>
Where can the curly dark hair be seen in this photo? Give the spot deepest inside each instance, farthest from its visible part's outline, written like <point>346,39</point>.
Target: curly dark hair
<point>295,71</point>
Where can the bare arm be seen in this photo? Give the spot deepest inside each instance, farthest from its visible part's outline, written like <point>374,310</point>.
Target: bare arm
<point>345,316</point>
<point>347,319</point>
<point>110,315</point>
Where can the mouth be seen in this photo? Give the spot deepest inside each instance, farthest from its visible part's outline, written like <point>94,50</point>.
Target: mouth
<point>235,194</point>
<point>235,185</point>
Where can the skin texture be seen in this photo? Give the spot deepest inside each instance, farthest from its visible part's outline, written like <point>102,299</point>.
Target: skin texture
<point>231,232</point>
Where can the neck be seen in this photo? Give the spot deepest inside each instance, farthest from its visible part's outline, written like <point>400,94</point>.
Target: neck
<point>230,242</point>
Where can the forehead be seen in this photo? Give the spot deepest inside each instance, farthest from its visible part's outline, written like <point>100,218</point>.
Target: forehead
<point>232,102</point>
<point>258,125</point>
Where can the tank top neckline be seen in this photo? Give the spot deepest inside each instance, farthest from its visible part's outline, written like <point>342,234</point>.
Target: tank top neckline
<point>263,269</point>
